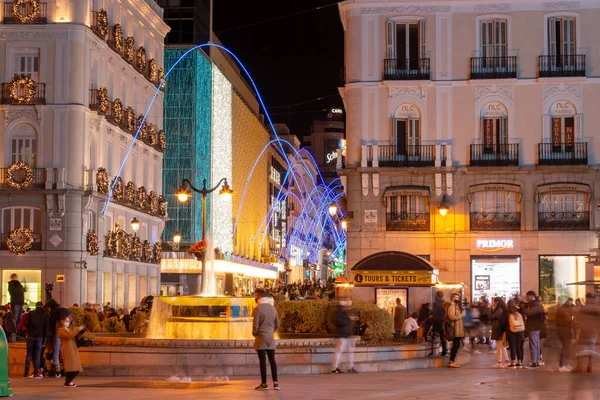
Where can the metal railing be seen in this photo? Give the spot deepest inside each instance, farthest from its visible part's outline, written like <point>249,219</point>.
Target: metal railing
<point>39,96</point>
<point>24,10</point>
<point>562,154</point>
<point>407,156</point>
<point>406,69</point>
<point>493,67</point>
<point>495,221</point>
<point>402,221</point>
<point>36,246</point>
<point>564,221</point>
<point>496,155</point>
<point>560,66</point>
<point>38,182</point>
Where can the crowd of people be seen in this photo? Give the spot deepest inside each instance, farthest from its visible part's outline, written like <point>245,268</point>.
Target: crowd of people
<point>302,290</point>
<point>504,325</point>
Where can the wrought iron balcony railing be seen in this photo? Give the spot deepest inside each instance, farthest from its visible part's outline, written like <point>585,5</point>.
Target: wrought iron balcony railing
<point>22,96</point>
<point>495,221</point>
<point>495,155</point>
<point>407,156</point>
<point>493,67</point>
<point>26,13</point>
<point>407,69</point>
<point>564,221</point>
<point>562,154</point>
<point>38,182</point>
<point>561,66</point>
<point>401,221</point>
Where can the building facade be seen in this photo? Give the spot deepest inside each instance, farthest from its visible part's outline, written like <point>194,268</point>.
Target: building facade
<point>78,76</point>
<point>471,134</point>
<point>325,139</point>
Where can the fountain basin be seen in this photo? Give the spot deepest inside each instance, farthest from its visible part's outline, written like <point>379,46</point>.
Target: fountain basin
<point>201,318</point>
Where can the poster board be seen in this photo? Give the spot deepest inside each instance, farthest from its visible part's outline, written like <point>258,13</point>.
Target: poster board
<point>386,298</point>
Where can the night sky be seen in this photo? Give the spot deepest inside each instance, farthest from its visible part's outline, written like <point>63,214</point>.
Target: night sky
<point>292,60</point>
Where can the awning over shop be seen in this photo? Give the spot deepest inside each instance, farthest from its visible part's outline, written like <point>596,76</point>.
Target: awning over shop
<point>392,191</point>
<point>394,268</point>
<point>486,187</point>
<point>563,187</point>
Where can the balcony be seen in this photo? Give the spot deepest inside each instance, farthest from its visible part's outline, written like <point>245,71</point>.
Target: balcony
<point>38,182</point>
<point>25,13</point>
<point>494,67</point>
<point>495,221</point>
<point>36,245</point>
<point>405,70</point>
<point>22,94</point>
<point>562,66</point>
<point>564,221</point>
<point>99,24</point>
<point>408,156</point>
<point>562,154</point>
<point>496,156</point>
<point>407,221</point>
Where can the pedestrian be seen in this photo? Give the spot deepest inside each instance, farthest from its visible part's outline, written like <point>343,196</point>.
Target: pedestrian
<point>70,354</point>
<point>264,325</point>
<point>588,323</point>
<point>410,327</point>
<point>564,330</point>
<point>515,334</point>
<point>57,314</point>
<point>499,319</point>
<point>535,319</point>
<point>399,318</point>
<point>474,336</point>
<point>485,320</point>
<point>344,341</point>
<point>439,316</point>
<point>455,327</point>
<point>8,324</point>
<point>17,297</point>
<point>38,326</point>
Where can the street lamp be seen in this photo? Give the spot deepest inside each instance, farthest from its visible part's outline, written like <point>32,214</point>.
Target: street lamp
<point>135,225</point>
<point>443,208</point>
<point>344,225</point>
<point>333,209</point>
<point>183,195</point>
<point>176,241</point>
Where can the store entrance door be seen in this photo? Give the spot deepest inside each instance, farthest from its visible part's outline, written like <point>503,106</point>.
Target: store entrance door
<point>492,277</point>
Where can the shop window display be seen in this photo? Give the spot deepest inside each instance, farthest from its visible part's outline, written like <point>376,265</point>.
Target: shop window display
<point>556,272</point>
<point>492,277</point>
<point>30,279</point>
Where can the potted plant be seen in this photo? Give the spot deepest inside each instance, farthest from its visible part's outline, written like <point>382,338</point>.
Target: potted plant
<point>198,250</point>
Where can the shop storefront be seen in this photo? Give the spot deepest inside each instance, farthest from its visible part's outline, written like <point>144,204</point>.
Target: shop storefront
<point>31,279</point>
<point>495,276</point>
<point>557,272</point>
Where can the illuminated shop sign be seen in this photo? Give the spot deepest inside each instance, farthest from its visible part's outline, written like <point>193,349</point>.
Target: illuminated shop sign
<point>492,245</point>
<point>331,156</point>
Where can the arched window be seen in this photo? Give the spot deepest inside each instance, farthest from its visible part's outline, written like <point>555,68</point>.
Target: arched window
<point>495,207</point>
<point>407,129</point>
<point>21,217</point>
<point>494,128</point>
<point>563,206</point>
<point>23,144</point>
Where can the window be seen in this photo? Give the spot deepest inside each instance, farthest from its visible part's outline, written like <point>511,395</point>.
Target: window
<point>493,38</point>
<point>495,135</point>
<point>408,136</point>
<point>495,210</point>
<point>26,62</point>
<point>407,211</point>
<point>491,201</point>
<point>561,36</point>
<point>21,217</point>
<point>23,149</point>
<point>556,272</point>
<point>563,132</point>
<point>406,43</point>
<point>563,211</point>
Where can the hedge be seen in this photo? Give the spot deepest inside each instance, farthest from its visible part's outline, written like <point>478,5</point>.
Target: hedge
<point>313,316</point>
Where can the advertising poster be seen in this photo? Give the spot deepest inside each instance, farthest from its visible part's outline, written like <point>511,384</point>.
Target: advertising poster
<point>499,278</point>
<point>482,282</point>
<point>556,131</point>
<point>488,133</point>
<point>386,298</point>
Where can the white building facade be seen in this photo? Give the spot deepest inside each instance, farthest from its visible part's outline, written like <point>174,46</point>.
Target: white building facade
<point>77,77</point>
<point>488,109</point>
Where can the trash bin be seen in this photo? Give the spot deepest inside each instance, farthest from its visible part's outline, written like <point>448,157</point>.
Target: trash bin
<point>5,389</point>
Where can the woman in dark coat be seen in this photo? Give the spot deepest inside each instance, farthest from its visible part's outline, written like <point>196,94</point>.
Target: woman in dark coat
<point>499,326</point>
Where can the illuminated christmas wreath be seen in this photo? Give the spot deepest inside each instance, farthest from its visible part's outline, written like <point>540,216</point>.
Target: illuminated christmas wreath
<point>117,111</point>
<point>152,70</point>
<point>103,100</point>
<point>130,50</point>
<point>22,81</point>
<point>130,119</point>
<point>18,167</point>
<point>92,242</point>
<point>33,13</point>
<point>102,180</point>
<point>20,241</point>
<point>102,23</point>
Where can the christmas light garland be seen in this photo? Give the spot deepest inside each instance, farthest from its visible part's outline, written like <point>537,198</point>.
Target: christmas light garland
<point>152,70</point>
<point>143,129</point>
<point>130,193</point>
<point>125,244</point>
<point>15,167</point>
<point>162,140</point>
<point>161,75</point>
<point>20,241</point>
<point>137,249</point>
<point>117,110</point>
<point>102,100</point>
<point>141,59</point>
<point>92,243</point>
<point>130,50</point>
<point>142,198</point>
<point>162,206</point>
<point>130,119</point>
<point>27,18</point>
<point>118,190</point>
<point>152,203</point>
<point>29,85</point>
<point>157,252</point>
<point>102,180</point>
<point>112,241</point>
<point>118,37</point>
<point>147,251</point>
<point>102,23</point>
<point>152,139</point>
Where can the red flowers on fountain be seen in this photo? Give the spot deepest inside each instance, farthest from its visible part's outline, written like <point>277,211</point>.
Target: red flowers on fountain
<point>198,249</point>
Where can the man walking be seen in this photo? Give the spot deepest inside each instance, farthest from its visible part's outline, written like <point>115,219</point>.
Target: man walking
<point>37,331</point>
<point>564,330</point>
<point>265,323</point>
<point>535,319</point>
<point>439,316</point>
<point>17,297</point>
<point>399,317</point>
<point>344,340</point>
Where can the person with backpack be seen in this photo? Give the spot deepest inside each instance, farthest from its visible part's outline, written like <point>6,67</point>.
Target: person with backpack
<point>564,331</point>
<point>534,312</point>
<point>499,326</point>
<point>515,334</point>
<point>454,327</point>
<point>439,316</point>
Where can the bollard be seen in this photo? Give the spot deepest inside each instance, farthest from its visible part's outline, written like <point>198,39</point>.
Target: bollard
<point>5,389</point>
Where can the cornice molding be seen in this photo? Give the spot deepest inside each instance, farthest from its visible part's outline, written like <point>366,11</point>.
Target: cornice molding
<point>144,8</point>
<point>405,9</point>
<point>560,5</point>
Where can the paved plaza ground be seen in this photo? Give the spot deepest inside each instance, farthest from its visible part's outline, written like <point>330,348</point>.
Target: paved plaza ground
<point>474,381</point>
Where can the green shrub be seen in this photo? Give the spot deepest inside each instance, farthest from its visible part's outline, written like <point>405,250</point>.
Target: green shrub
<point>113,325</point>
<point>77,314</point>
<point>90,319</point>
<point>139,322</point>
<point>314,316</point>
